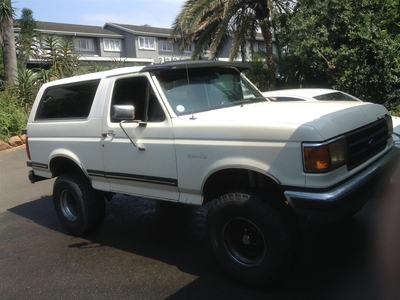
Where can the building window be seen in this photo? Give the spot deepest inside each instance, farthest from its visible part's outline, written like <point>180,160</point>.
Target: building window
<point>189,48</point>
<point>261,47</point>
<point>147,43</point>
<point>84,44</point>
<point>164,45</point>
<point>112,45</point>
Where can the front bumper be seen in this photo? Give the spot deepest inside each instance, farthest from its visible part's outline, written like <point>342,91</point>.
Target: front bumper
<point>332,204</point>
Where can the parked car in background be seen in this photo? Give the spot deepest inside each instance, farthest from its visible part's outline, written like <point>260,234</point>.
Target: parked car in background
<point>318,94</point>
<point>396,130</point>
<point>309,95</point>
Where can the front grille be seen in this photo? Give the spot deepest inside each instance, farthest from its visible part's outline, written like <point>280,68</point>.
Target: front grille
<point>365,142</point>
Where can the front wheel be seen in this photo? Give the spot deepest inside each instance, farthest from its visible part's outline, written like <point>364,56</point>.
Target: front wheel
<point>79,208</point>
<point>254,241</point>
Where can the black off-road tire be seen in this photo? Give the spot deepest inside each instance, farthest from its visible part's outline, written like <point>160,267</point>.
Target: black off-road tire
<point>256,242</point>
<point>79,207</point>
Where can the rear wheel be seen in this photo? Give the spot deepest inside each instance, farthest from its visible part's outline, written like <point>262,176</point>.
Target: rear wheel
<point>254,241</point>
<point>78,206</point>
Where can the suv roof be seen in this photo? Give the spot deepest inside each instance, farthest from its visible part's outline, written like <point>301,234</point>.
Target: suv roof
<point>190,64</point>
<point>156,68</point>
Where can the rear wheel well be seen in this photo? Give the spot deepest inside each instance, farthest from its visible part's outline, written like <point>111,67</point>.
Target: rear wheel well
<point>233,180</point>
<point>63,165</point>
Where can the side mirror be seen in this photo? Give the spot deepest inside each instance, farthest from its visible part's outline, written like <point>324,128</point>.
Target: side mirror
<point>122,112</point>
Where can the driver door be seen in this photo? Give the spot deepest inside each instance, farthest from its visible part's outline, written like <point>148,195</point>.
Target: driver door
<point>139,155</point>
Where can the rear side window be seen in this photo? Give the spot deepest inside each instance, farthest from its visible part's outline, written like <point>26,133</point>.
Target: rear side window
<point>69,101</point>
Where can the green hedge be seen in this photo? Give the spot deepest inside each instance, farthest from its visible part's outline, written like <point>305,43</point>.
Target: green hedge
<point>12,116</point>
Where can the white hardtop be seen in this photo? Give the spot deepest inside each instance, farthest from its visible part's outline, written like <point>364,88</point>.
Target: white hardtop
<point>97,75</point>
<point>153,68</point>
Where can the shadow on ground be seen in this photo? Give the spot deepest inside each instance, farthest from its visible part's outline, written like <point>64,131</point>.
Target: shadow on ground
<point>335,264</point>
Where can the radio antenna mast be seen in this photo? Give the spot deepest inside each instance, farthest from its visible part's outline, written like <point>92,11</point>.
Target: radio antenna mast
<point>190,93</point>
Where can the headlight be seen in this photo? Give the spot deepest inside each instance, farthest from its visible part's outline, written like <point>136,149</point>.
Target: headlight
<point>324,156</point>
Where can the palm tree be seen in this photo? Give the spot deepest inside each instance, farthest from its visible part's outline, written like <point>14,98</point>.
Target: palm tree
<point>61,54</point>
<point>27,35</point>
<point>209,23</point>
<point>7,42</point>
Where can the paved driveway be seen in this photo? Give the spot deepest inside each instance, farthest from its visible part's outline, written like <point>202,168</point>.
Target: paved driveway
<point>150,251</point>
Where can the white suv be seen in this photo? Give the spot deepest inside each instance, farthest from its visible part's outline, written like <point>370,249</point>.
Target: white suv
<point>199,132</point>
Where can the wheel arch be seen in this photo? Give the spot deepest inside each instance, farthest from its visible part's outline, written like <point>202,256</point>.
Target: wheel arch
<point>61,163</point>
<point>233,179</point>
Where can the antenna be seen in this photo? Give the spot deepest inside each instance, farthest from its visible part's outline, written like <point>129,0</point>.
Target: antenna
<point>190,93</point>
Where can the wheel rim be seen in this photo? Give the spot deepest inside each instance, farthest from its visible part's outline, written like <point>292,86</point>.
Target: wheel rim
<point>244,242</point>
<point>69,206</point>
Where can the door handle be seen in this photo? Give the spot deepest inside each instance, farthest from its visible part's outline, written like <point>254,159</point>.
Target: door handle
<point>107,133</point>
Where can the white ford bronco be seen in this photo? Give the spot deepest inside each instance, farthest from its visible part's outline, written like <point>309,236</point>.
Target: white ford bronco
<point>198,132</point>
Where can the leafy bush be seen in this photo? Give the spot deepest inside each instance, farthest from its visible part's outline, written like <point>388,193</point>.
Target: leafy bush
<point>258,73</point>
<point>24,92</point>
<point>395,110</point>
<point>349,45</point>
<point>12,116</point>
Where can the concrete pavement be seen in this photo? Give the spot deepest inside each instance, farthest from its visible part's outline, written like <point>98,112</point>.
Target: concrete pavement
<point>147,251</point>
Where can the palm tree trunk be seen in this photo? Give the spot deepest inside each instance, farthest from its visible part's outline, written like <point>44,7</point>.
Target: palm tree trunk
<point>267,35</point>
<point>9,55</point>
<point>264,14</point>
<point>7,40</point>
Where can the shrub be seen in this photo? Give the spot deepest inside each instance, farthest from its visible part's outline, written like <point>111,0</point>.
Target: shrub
<point>12,116</point>
<point>24,92</point>
<point>395,111</point>
<point>258,73</point>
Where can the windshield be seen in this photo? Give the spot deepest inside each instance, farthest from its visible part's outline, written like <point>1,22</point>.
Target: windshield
<point>336,96</point>
<point>206,89</point>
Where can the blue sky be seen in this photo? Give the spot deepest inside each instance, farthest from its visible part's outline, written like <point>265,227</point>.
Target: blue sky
<point>156,13</point>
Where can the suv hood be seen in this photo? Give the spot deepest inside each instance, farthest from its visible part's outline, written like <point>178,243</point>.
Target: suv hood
<point>329,119</point>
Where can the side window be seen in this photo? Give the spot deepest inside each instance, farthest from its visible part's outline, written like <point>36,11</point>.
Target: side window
<point>69,101</point>
<point>137,91</point>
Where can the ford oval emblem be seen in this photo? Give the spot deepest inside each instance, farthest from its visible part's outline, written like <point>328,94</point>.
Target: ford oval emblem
<point>372,142</point>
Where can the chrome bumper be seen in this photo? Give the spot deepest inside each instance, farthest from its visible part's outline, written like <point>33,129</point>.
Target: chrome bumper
<point>332,204</point>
